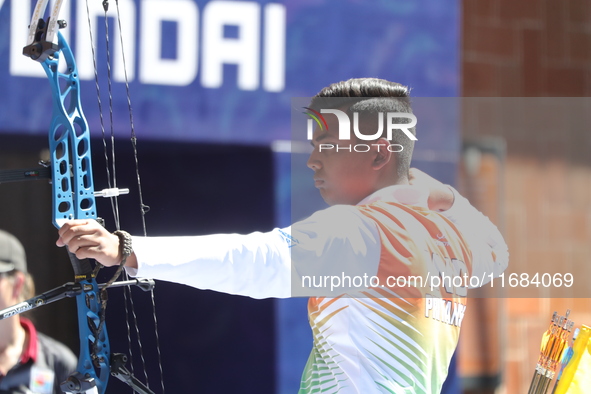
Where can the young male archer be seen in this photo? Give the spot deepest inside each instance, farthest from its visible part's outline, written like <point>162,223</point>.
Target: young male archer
<point>385,221</point>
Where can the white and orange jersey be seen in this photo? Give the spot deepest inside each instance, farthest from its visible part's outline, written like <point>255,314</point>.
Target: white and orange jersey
<point>394,339</point>
<point>376,336</point>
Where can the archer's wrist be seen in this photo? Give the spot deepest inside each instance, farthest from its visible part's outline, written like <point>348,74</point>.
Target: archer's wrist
<point>125,246</point>
<point>131,265</point>
<point>132,262</point>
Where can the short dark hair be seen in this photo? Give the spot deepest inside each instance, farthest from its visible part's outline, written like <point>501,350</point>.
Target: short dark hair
<point>369,96</point>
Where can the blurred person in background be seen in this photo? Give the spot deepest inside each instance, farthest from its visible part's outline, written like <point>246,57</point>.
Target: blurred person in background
<point>30,362</point>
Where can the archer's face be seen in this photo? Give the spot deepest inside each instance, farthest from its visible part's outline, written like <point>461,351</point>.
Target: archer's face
<point>342,175</point>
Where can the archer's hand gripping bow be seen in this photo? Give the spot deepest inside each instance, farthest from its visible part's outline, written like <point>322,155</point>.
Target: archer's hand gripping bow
<point>74,198</point>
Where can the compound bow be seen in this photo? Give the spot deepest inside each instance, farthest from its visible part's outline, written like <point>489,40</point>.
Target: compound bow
<point>74,198</point>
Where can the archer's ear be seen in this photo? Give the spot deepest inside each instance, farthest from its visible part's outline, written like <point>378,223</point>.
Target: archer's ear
<point>18,283</point>
<point>382,154</point>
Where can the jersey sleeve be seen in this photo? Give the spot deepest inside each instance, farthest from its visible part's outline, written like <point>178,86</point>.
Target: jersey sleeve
<point>337,250</point>
<point>262,265</point>
<point>490,256</point>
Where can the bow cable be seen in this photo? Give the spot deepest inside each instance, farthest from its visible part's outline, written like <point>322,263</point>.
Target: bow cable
<point>112,179</point>
<point>143,207</point>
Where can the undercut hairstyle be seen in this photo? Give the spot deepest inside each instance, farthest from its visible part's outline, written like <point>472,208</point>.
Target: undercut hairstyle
<point>369,97</point>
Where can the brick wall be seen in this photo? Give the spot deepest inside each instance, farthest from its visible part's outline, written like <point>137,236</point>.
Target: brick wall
<point>533,48</point>
<point>526,48</point>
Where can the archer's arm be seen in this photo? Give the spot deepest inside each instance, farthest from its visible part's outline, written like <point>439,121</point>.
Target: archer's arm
<point>271,264</point>
<point>258,265</point>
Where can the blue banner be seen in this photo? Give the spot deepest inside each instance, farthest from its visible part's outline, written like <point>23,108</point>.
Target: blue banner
<point>225,71</point>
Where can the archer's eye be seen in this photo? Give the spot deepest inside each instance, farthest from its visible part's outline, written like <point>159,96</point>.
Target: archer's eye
<point>326,148</point>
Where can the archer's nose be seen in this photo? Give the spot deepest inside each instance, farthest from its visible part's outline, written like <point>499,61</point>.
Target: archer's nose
<point>313,163</point>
